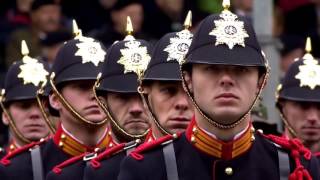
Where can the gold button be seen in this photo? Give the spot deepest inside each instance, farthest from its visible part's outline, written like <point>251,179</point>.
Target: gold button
<point>175,136</point>
<point>63,136</point>
<point>139,141</point>
<point>60,144</point>
<point>252,129</point>
<point>253,138</point>
<point>42,139</point>
<point>228,171</point>
<point>110,145</point>
<point>195,130</point>
<point>193,139</point>
<point>11,147</point>
<point>260,131</point>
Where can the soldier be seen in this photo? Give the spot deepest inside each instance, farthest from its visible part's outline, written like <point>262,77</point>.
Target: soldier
<point>83,125</point>
<point>298,100</point>
<point>161,87</point>
<point>18,101</point>
<point>116,90</point>
<point>224,73</point>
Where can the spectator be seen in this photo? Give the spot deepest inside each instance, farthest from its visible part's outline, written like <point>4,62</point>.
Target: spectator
<point>116,30</point>
<point>51,44</point>
<point>45,17</point>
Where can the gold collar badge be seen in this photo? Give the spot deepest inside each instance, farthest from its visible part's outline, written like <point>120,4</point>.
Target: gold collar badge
<point>229,30</point>
<point>31,70</point>
<point>180,44</point>
<point>309,72</point>
<point>135,58</point>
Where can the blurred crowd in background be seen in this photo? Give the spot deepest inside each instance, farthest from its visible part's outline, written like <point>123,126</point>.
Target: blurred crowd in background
<point>47,24</point>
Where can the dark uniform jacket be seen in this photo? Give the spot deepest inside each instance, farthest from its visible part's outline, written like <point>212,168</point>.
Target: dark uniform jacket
<point>198,156</point>
<point>18,165</point>
<point>2,153</point>
<point>104,165</point>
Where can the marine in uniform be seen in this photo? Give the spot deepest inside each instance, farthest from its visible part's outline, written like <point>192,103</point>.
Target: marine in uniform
<point>298,100</point>
<point>18,101</point>
<point>224,73</point>
<point>83,126</point>
<point>116,91</point>
<point>161,88</point>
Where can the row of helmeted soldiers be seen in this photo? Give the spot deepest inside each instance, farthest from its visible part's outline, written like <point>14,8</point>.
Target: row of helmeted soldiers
<point>178,111</point>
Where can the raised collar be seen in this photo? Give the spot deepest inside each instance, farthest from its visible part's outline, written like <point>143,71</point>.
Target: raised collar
<point>217,148</point>
<point>150,136</point>
<point>73,147</point>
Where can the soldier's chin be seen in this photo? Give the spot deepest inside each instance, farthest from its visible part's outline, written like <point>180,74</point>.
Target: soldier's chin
<point>95,118</point>
<point>36,136</point>
<point>225,118</point>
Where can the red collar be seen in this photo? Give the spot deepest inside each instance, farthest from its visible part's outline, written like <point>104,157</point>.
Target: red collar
<point>150,137</point>
<point>217,148</point>
<point>73,147</point>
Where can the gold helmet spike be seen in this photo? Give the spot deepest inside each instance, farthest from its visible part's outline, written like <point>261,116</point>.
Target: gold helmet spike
<point>308,45</point>
<point>188,21</point>
<point>226,4</point>
<point>24,48</point>
<point>76,31</point>
<point>129,29</point>
<point>308,49</point>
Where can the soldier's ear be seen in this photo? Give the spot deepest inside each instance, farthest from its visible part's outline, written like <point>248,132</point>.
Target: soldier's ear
<point>5,119</point>
<point>55,102</point>
<point>188,80</point>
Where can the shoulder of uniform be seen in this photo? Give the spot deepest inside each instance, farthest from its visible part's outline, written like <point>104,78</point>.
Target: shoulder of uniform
<point>6,159</point>
<point>58,168</point>
<point>107,153</point>
<point>87,156</point>
<point>296,151</point>
<point>137,153</point>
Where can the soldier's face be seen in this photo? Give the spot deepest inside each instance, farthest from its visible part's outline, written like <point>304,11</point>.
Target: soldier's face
<point>128,110</point>
<point>28,119</point>
<point>79,95</point>
<point>304,117</point>
<point>225,93</point>
<point>170,104</point>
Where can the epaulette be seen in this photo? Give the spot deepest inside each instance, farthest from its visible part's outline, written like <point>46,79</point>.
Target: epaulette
<point>87,156</point>
<point>6,159</point>
<point>297,150</point>
<point>95,163</point>
<point>137,153</point>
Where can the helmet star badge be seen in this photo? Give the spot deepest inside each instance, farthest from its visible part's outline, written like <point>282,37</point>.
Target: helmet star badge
<point>179,45</point>
<point>309,72</point>
<point>31,70</point>
<point>229,30</point>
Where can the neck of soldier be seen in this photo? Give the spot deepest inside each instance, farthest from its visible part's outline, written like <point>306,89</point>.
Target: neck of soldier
<point>156,132</point>
<point>87,134</point>
<point>221,134</point>
<point>314,146</point>
<point>17,141</point>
